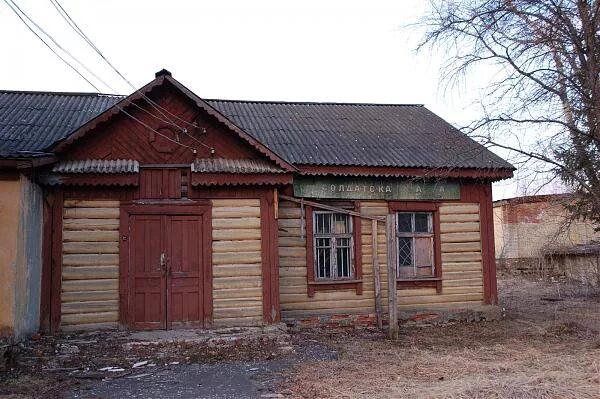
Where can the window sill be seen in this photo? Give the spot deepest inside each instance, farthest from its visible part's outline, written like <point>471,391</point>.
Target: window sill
<point>332,285</point>
<point>431,282</point>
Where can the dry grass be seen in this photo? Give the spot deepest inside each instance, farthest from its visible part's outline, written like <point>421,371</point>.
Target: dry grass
<point>542,350</point>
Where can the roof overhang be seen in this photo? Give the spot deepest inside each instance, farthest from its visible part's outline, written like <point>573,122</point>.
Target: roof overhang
<point>20,163</point>
<point>385,171</point>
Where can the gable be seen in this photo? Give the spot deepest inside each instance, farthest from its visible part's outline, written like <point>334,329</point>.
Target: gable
<point>174,131</point>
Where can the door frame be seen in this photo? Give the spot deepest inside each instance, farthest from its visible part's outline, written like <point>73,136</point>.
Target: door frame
<point>200,208</point>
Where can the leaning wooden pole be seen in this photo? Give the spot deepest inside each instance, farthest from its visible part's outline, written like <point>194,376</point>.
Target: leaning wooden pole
<point>391,264</point>
<point>376,275</point>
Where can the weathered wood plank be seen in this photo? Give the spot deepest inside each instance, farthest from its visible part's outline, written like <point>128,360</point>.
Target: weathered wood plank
<point>90,236</point>
<point>237,270</point>
<point>226,258</point>
<point>89,272</point>
<point>292,262</point>
<point>459,227</point>
<point>292,272</point>
<point>91,213</point>
<point>90,259</point>
<point>90,285</point>
<point>236,246</point>
<point>236,282</point>
<point>461,266</point>
<point>237,312</point>
<point>292,242</point>
<point>79,296</point>
<point>91,248</point>
<point>470,282</point>
<point>90,224</point>
<point>236,212</point>
<point>224,293</point>
<point>236,234</point>
<point>461,247</point>
<point>89,307</point>
<point>85,318</point>
<point>292,252</point>
<point>235,202</point>
<point>460,237</point>
<point>91,204</point>
<point>459,217</point>
<point>461,257</point>
<point>236,223</point>
<point>448,208</point>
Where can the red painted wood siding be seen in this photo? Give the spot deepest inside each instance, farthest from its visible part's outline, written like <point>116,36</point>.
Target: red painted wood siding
<point>160,183</point>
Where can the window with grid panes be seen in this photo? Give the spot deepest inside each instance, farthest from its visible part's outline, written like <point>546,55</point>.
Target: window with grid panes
<point>333,246</point>
<point>414,232</point>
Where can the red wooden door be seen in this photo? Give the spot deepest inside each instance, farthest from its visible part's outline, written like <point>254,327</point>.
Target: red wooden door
<point>184,281</point>
<point>147,280</point>
<point>166,271</point>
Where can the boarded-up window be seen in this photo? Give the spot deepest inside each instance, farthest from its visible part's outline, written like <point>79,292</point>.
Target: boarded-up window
<point>415,245</point>
<point>333,246</point>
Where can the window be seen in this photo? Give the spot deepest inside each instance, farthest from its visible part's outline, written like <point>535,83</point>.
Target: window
<point>333,246</point>
<point>415,245</point>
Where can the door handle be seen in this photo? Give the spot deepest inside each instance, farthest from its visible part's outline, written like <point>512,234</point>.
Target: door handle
<point>163,262</point>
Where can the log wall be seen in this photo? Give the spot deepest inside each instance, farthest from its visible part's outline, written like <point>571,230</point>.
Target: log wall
<point>90,264</point>
<point>237,281</point>
<point>461,265</point>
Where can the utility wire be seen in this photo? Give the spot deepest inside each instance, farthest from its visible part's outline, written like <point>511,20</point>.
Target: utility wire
<point>18,11</point>
<point>65,15</point>
<point>71,22</point>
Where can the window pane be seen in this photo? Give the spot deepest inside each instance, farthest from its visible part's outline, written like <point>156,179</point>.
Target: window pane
<point>422,224</point>
<point>342,223</point>
<point>343,262</point>
<point>323,257</point>
<point>405,251</point>
<point>405,222</point>
<point>322,223</point>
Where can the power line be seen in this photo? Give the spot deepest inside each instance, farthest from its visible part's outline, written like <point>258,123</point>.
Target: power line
<point>18,11</point>
<point>71,22</point>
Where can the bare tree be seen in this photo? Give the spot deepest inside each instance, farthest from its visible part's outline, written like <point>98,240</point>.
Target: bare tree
<point>543,62</point>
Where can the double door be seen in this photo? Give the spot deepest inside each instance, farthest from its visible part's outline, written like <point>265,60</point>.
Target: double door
<point>166,273</point>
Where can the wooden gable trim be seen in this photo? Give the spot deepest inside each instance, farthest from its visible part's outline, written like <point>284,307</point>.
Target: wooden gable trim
<point>160,81</point>
<point>257,145</point>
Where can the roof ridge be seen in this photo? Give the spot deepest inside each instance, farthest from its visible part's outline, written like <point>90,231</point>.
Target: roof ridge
<point>312,102</point>
<point>60,93</point>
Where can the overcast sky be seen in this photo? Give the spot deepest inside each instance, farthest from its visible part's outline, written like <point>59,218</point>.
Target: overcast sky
<point>346,51</point>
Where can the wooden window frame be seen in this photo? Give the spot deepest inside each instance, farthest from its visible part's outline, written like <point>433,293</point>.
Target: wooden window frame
<point>315,284</point>
<point>422,206</point>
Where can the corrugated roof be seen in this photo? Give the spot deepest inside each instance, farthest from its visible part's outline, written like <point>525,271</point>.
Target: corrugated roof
<point>358,135</point>
<point>31,121</point>
<point>301,133</point>
<point>242,166</point>
<point>97,166</point>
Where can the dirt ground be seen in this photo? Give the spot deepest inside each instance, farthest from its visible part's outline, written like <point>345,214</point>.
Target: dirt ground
<point>548,346</point>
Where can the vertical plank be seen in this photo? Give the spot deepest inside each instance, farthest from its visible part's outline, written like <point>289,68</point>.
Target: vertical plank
<point>376,276</point>
<point>55,302</point>
<point>391,264</point>
<point>46,286</point>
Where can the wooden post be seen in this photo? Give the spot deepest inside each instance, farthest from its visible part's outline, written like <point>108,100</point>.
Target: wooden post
<point>391,264</point>
<point>376,277</point>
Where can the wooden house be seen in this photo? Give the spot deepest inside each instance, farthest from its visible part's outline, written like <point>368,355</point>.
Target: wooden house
<point>165,210</point>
